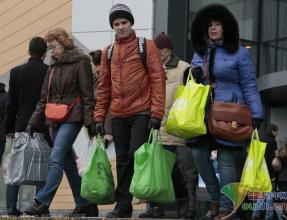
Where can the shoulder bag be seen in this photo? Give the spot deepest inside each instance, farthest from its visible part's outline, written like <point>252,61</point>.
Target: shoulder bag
<point>227,120</point>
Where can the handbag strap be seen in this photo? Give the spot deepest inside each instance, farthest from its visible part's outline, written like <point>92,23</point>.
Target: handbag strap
<point>208,71</point>
<point>76,99</point>
<point>49,84</point>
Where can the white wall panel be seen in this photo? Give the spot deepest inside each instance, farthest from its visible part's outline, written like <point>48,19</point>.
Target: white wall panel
<point>90,20</point>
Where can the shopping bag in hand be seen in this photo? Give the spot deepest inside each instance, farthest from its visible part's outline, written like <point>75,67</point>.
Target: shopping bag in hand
<point>152,173</point>
<point>97,183</point>
<point>84,157</point>
<point>186,116</point>
<point>27,164</point>
<point>255,176</point>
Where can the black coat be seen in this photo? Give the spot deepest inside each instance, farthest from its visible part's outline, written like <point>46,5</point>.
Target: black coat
<point>3,100</point>
<point>271,147</point>
<point>24,92</point>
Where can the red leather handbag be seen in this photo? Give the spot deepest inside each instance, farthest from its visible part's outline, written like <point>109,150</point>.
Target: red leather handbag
<point>56,112</point>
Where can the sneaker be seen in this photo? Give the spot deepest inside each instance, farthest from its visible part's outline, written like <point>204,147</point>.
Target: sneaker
<point>153,212</point>
<point>13,212</point>
<point>87,211</point>
<point>118,213</point>
<point>38,209</point>
<point>212,211</point>
<point>222,216</point>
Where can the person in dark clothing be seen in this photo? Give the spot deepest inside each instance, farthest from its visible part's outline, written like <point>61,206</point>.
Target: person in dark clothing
<point>3,100</point>
<point>24,92</point>
<point>96,64</point>
<point>271,147</point>
<point>183,175</point>
<point>281,154</point>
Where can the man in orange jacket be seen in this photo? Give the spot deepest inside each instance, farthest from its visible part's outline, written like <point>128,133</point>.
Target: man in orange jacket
<point>135,94</point>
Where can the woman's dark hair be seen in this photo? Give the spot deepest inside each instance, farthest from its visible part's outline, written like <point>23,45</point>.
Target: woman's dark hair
<point>96,56</point>
<point>37,47</point>
<point>199,28</point>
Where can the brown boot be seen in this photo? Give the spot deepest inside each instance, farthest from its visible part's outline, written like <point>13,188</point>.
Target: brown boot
<point>212,211</point>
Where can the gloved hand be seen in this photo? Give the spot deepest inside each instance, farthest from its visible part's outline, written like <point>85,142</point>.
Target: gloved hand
<point>196,73</point>
<point>90,130</point>
<point>154,123</point>
<point>99,129</point>
<point>256,122</point>
<point>108,138</point>
<point>30,130</point>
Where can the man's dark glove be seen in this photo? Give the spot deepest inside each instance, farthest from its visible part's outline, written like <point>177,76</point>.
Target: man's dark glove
<point>256,122</point>
<point>99,129</point>
<point>154,123</point>
<point>30,130</point>
<point>197,73</point>
<point>90,130</point>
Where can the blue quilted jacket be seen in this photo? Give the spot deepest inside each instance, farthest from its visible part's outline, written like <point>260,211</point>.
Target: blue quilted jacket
<point>235,81</point>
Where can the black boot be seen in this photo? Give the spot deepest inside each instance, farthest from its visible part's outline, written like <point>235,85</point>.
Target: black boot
<point>153,212</point>
<point>87,211</point>
<point>38,209</point>
<point>13,212</point>
<point>182,207</point>
<point>191,190</point>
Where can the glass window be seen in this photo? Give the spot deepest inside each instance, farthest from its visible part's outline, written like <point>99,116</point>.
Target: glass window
<point>274,36</point>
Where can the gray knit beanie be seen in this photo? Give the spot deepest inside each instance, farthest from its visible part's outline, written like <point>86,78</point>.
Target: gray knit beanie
<point>120,11</point>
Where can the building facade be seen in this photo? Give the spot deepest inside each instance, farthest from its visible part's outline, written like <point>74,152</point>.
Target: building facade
<point>262,26</point>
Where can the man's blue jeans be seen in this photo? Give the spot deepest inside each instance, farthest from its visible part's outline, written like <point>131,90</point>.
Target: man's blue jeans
<point>201,151</point>
<point>62,159</point>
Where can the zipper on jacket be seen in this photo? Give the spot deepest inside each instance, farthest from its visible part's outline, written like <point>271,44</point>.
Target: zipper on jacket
<point>123,91</point>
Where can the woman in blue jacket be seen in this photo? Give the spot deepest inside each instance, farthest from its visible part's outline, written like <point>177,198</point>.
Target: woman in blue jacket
<point>215,38</point>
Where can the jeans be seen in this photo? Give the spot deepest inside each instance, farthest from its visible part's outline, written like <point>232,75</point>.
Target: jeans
<point>201,151</point>
<point>261,204</point>
<point>12,194</point>
<point>62,159</point>
<point>129,134</point>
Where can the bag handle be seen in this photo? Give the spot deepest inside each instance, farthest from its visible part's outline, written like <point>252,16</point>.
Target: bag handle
<point>100,141</point>
<point>190,77</point>
<point>153,138</point>
<point>255,135</point>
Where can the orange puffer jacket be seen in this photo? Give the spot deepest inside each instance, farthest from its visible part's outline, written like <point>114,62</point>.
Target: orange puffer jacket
<point>129,89</point>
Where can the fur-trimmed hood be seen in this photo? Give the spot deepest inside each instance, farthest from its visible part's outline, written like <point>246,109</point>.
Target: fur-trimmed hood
<point>70,56</point>
<point>199,28</point>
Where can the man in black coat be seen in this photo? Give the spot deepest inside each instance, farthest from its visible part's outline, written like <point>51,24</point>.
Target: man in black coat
<point>3,100</point>
<point>24,92</point>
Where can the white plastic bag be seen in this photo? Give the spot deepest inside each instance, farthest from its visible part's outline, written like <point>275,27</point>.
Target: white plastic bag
<point>83,157</point>
<point>27,162</point>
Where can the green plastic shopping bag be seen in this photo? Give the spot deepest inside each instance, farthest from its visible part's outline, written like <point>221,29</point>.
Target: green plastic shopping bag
<point>255,176</point>
<point>152,173</point>
<point>98,183</point>
<point>186,116</point>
